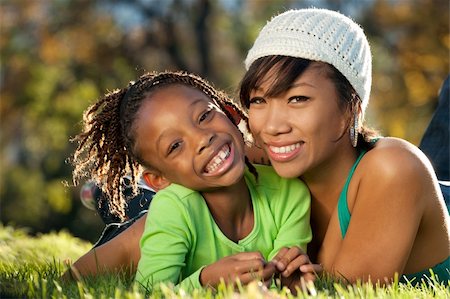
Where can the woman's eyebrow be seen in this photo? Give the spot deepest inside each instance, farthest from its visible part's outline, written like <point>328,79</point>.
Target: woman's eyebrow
<point>299,84</point>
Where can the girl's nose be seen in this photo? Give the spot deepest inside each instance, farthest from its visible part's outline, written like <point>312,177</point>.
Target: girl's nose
<point>205,140</point>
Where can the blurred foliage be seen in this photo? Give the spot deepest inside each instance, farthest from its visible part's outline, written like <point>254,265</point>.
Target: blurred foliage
<point>58,56</point>
<point>410,44</point>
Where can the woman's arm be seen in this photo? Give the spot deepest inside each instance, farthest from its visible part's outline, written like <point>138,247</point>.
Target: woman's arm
<point>397,222</point>
<point>121,253</point>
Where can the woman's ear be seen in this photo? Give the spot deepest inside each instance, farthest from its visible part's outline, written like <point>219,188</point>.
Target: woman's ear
<point>155,180</point>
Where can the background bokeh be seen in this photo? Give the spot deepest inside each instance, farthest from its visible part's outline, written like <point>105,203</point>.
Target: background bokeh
<point>58,56</point>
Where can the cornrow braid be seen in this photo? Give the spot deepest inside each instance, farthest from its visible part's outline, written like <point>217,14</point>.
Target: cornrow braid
<point>106,149</point>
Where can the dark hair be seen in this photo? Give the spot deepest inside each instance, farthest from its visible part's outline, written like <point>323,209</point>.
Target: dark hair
<point>288,69</point>
<point>106,149</point>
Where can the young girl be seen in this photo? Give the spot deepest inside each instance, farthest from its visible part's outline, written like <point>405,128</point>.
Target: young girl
<point>176,126</point>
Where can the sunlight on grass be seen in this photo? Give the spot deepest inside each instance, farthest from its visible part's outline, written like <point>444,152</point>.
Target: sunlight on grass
<point>30,267</point>
<point>16,247</point>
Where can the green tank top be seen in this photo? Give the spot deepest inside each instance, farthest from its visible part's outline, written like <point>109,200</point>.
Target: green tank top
<point>441,270</point>
<point>343,211</point>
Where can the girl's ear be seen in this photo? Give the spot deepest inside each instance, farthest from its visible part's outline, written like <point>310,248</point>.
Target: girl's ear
<point>155,180</point>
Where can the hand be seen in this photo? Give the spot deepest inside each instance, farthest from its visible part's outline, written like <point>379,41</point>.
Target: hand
<point>294,266</point>
<point>244,266</point>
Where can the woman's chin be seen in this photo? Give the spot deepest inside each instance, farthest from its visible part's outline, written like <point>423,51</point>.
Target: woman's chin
<point>287,171</point>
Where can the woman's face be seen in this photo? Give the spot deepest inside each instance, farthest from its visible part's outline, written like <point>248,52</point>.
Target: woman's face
<point>300,129</point>
<point>183,134</point>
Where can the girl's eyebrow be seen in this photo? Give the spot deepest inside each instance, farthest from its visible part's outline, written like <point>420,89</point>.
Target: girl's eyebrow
<point>158,140</point>
<point>196,102</point>
<point>160,137</point>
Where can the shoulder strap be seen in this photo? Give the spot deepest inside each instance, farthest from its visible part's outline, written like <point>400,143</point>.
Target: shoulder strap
<point>343,211</point>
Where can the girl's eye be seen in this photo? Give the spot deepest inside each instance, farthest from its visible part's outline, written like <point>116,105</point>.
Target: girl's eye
<point>205,115</point>
<point>256,101</point>
<point>173,147</point>
<point>298,99</point>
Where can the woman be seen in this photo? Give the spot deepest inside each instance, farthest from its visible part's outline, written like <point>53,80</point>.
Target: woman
<point>377,208</point>
<point>376,205</point>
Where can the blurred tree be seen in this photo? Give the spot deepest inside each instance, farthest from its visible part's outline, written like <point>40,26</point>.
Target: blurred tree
<point>57,56</point>
<point>410,43</point>
<point>48,78</point>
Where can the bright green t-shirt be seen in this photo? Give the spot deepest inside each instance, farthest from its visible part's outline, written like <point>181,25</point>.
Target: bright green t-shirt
<point>181,236</point>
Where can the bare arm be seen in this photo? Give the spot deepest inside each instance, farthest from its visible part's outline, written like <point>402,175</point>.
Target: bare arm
<point>395,200</point>
<point>121,253</point>
<point>244,266</point>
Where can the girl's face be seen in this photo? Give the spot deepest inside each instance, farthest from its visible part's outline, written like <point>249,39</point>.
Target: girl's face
<point>300,129</point>
<point>183,134</point>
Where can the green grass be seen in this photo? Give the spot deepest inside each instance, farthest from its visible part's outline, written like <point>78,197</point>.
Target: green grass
<point>30,267</point>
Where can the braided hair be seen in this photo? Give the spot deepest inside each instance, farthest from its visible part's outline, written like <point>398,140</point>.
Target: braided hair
<point>106,149</point>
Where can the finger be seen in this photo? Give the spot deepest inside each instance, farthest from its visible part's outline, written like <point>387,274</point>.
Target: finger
<point>248,277</point>
<point>280,254</point>
<point>287,258</point>
<point>295,264</point>
<point>250,266</point>
<point>279,257</point>
<point>311,268</point>
<point>253,255</point>
<point>268,282</point>
<point>268,271</point>
<point>263,273</point>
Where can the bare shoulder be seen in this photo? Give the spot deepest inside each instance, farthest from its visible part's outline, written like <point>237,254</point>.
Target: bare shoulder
<point>393,197</point>
<point>397,156</point>
<point>396,164</point>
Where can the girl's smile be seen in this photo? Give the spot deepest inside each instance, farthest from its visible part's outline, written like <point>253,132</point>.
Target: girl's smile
<point>196,146</point>
<point>221,161</point>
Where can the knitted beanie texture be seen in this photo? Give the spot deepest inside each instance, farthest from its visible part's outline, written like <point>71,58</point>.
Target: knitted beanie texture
<point>320,35</point>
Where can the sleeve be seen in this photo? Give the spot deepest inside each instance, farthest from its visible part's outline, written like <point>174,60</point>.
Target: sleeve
<point>165,244</point>
<point>291,208</point>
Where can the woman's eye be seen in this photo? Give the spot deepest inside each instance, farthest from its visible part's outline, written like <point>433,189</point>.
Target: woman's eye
<point>256,100</point>
<point>173,147</point>
<point>298,99</point>
<point>205,115</point>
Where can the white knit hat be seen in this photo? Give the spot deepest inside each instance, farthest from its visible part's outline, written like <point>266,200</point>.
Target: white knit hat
<point>321,35</point>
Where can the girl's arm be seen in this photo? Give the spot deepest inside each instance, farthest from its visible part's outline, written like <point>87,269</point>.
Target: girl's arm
<point>121,253</point>
<point>175,250</point>
<point>291,209</point>
<point>243,267</point>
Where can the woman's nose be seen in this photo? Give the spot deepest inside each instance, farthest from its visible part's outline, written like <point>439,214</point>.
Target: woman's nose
<point>276,122</point>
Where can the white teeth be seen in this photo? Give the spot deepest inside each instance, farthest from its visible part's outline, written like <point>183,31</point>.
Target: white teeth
<point>284,149</point>
<point>221,156</point>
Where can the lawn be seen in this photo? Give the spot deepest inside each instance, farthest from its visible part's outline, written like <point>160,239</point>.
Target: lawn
<point>30,267</point>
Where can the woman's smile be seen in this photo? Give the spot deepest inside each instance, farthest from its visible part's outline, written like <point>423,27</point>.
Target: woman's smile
<point>285,152</point>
